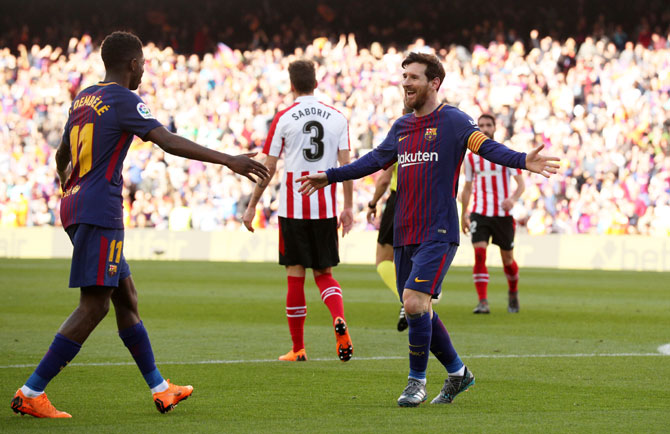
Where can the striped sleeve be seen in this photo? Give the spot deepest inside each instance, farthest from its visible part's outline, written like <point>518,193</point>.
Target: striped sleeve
<point>274,144</point>
<point>469,168</point>
<point>475,141</point>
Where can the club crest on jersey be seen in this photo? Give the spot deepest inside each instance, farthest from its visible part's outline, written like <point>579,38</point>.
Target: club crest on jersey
<point>144,111</point>
<point>71,191</point>
<point>430,134</point>
<point>112,270</point>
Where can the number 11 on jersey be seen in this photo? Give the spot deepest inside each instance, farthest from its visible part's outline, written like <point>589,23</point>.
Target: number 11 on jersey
<point>81,146</point>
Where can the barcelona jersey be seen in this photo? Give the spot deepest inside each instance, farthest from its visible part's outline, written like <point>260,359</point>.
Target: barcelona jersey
<point>429,151</point>
<point>102,122</point>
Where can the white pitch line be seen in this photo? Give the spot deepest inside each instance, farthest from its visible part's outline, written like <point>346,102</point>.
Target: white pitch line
<point>474,356</point>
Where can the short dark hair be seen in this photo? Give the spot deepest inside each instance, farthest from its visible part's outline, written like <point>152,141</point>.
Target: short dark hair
<point>118,48</point>
<point>303,75</point>
<point>434,67</point>
<point>487,116</point>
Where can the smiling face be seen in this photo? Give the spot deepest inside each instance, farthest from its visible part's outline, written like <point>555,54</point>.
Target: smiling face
<point>418,89</point>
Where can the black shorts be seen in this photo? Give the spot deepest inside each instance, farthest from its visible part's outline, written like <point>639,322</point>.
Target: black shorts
<point>501,229</point>
<point>386,225</point>
<point>310,243</point>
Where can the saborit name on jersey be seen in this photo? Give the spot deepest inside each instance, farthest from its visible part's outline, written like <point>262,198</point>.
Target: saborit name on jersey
<point>310,111</point>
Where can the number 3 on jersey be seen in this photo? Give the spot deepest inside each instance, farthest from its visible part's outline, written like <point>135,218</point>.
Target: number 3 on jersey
<point>315,150</point>
<point>81,146</point>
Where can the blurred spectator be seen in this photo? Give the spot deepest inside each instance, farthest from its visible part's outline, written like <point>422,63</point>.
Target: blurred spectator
<point>603,107</point>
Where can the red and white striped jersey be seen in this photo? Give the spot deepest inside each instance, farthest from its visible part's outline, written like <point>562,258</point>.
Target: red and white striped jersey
<point>491,185</point>
<point>310,133</point>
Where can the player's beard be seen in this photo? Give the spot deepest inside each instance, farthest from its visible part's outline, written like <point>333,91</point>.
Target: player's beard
<point>419,98</point>
<point>136,80</point>
<point>135,83</point>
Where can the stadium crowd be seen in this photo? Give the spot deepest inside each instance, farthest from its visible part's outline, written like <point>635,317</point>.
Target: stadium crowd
<point>194,27</point>
<point>602,104</point>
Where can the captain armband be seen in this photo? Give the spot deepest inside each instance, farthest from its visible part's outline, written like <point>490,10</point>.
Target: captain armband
<point>475,141</point>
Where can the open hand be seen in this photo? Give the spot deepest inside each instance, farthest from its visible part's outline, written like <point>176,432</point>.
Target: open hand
<point>538,163</point>
<point>311,183</point>
<point>245,166</point>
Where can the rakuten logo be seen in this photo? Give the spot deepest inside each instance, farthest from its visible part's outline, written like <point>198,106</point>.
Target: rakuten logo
<point>418,157</point>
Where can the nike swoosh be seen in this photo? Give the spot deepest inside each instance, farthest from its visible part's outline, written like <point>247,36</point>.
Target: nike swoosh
<point>417,280</point>
<point>403,138</point>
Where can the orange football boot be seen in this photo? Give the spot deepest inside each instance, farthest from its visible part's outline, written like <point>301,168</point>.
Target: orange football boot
<point>345,349</point>
<point>167,400</point>
<point>299,356</point>
<point>38,406</point>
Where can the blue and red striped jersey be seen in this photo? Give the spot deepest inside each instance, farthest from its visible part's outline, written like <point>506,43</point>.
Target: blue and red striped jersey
<point>429,151</point>
<point>100,128</point>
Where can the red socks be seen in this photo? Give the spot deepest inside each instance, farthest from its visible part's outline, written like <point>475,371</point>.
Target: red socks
<point>331,294</point>
<point>512,274</point>
<point>296,310</point>
<point>480,274</point>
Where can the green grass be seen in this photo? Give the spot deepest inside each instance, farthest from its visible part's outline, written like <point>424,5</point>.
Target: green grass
<point>229,313</point>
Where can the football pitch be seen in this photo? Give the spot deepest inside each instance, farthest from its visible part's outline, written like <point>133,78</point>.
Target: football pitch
<point>581,356</point>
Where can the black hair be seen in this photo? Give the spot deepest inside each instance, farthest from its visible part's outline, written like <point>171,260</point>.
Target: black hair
<point>487,116</point>
<point>119,48</point>
<point>434,67</point>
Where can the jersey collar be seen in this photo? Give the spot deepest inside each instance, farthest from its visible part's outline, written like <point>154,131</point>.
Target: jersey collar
<point>305,98</point>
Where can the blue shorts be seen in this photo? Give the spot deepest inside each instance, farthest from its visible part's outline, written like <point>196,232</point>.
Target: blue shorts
<point>97,257</point>
<point>422,267</point>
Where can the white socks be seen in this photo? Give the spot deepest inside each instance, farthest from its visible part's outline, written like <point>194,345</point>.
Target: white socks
<point>458,373</point>
<point>30,393</point>
<point>423,380</point>
<point>160,388</point>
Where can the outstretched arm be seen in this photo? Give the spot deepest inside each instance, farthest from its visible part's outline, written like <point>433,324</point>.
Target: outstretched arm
<point>371,162</point>
<point>182,147</point>
<point>501,154</point>
<point>380,157</point>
